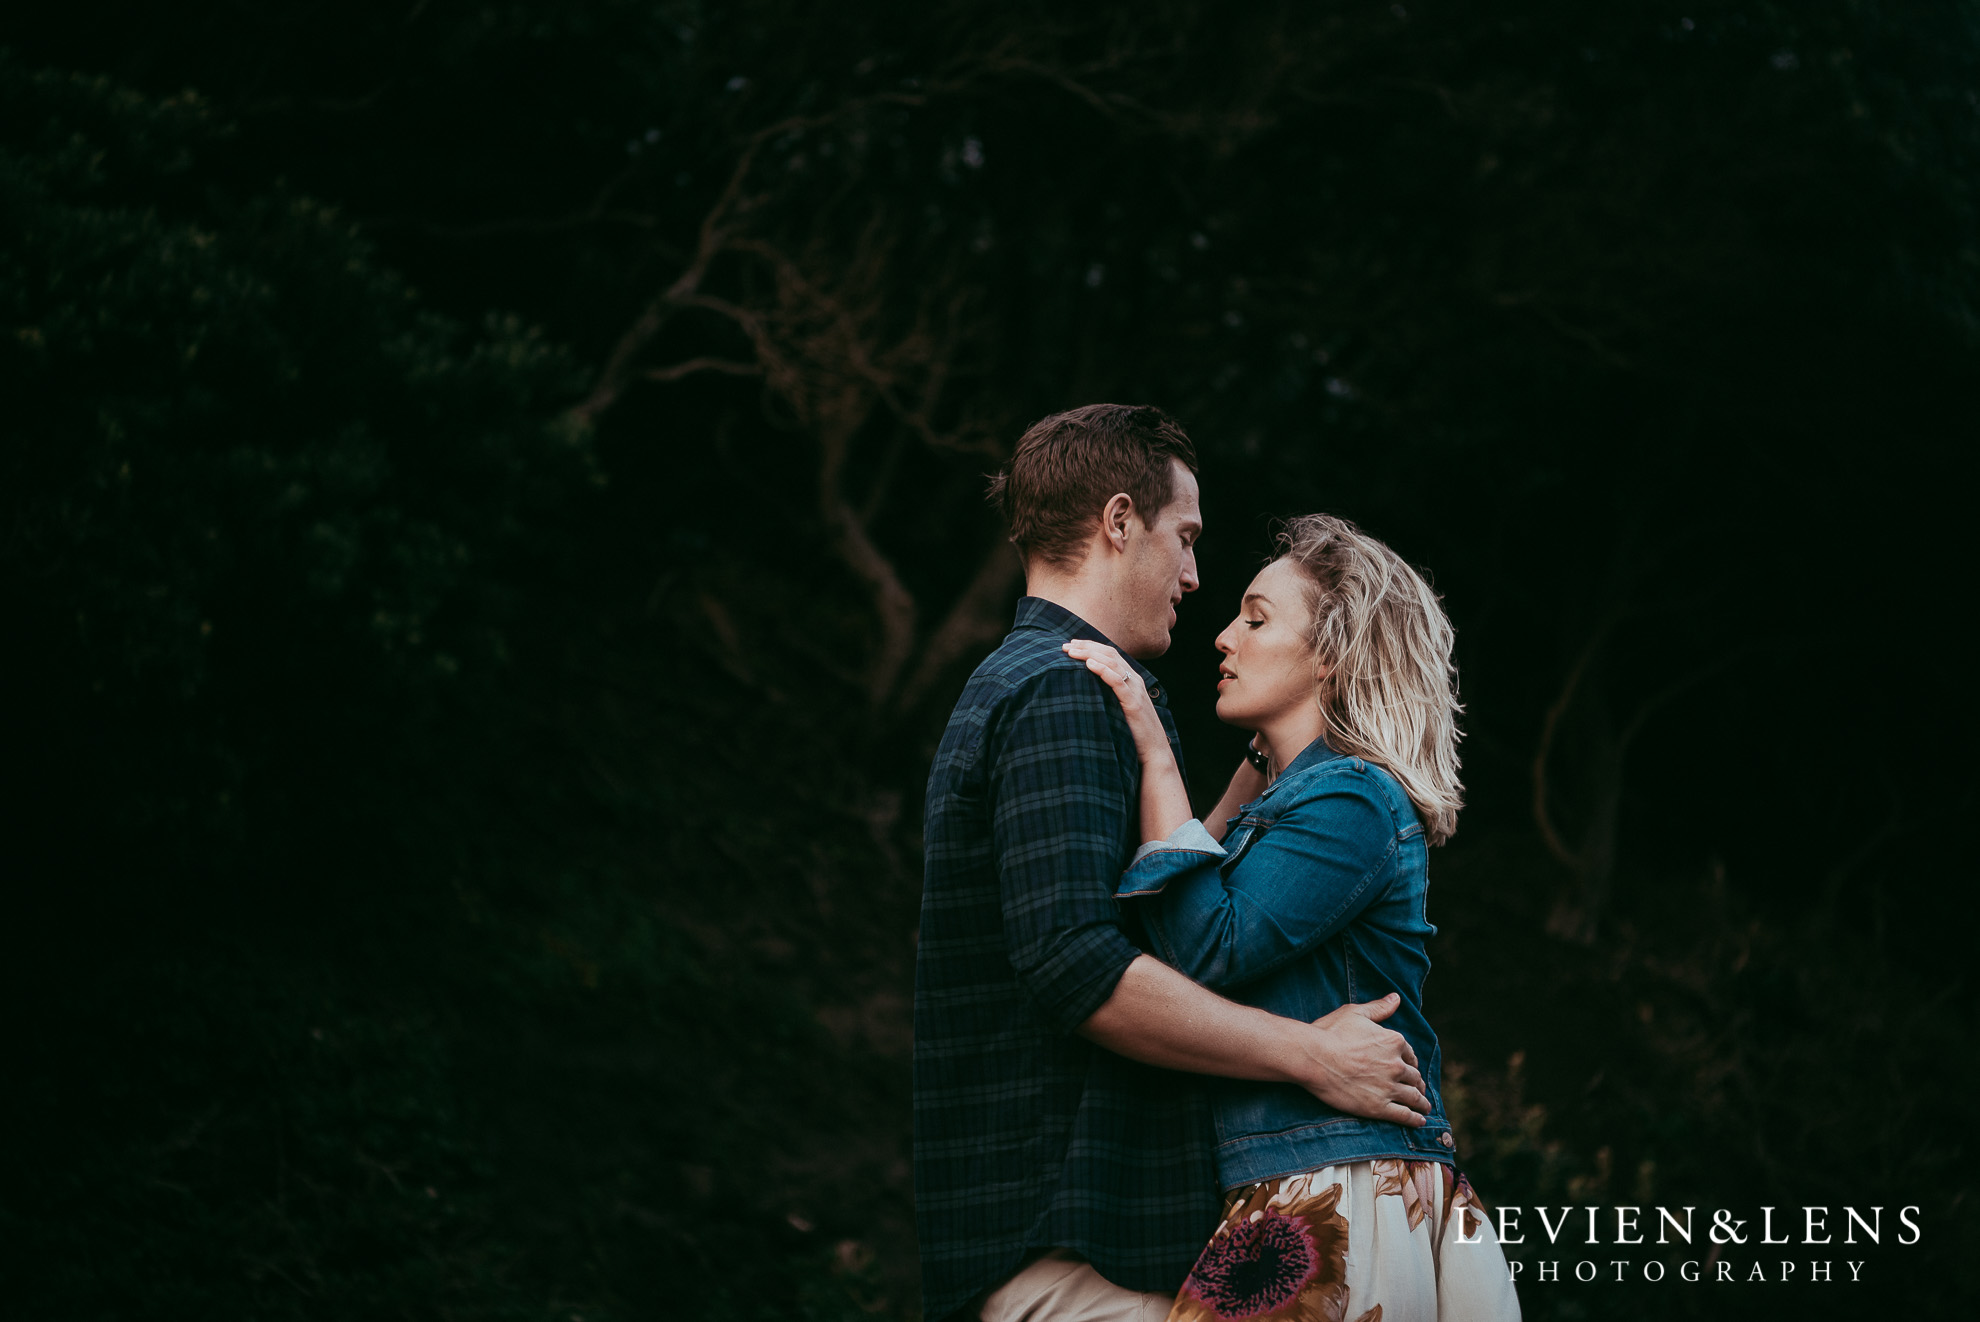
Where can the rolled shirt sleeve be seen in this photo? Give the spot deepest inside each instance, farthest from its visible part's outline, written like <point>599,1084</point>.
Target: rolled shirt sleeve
<point>1304,878</point>
<point>1061,799</point>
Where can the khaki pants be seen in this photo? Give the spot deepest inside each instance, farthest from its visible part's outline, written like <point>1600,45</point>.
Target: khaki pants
<point>1061,1286</point>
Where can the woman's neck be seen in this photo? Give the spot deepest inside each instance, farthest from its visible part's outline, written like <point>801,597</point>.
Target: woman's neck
<point>1285,737</point>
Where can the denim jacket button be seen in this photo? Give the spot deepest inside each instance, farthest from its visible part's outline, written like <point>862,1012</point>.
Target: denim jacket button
<point>1446,1139</point>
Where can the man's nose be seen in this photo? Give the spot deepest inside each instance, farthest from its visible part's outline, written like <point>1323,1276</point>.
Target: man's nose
<point>1189,579</point>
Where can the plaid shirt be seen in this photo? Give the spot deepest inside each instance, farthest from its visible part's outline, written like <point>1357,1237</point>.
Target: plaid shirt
<point>1027,1136</point>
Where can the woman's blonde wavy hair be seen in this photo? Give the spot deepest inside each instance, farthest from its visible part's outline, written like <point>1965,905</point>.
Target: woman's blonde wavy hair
<point>1384,677</point>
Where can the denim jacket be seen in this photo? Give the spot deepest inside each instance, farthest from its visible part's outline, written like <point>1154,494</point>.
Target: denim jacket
<point>1315,899</point>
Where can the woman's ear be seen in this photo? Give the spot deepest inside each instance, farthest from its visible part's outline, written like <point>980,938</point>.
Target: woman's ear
<point>1114,519</point>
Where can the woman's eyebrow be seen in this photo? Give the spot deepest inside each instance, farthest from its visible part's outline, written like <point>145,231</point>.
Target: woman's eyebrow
<point>1250,597</point>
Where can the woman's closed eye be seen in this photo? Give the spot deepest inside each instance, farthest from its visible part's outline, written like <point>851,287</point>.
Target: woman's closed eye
<point>1254,624</point>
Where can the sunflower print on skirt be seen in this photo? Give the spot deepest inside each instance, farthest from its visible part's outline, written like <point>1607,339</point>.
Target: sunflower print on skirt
<point>1272,1259</point>
<point>1280,1254</point>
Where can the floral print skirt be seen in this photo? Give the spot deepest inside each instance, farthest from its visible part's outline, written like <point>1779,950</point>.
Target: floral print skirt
<point>1365,1241</point>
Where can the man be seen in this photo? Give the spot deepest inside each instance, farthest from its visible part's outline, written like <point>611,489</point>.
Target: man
<point>1063,1162</point>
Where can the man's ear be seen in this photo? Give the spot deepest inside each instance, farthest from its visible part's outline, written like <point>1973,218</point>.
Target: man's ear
<point>1114,519</point>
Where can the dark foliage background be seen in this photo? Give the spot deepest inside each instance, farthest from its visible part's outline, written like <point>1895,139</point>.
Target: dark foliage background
<point>493,529</point>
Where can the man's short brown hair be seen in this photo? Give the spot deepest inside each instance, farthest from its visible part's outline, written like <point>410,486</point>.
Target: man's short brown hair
<point>1068,466</point>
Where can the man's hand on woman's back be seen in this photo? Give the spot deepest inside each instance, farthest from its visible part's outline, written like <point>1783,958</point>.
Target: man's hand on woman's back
<point>1360,1067</point>
<point>1348,1060</point>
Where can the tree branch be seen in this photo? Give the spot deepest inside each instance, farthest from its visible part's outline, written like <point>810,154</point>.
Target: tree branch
<point>1549,727</point>
<point>978,616</point>
<point>893,604</point>
<point>693,365</point>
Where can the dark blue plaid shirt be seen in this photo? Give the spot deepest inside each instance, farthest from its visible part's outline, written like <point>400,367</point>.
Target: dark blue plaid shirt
<point>1027,1136</point>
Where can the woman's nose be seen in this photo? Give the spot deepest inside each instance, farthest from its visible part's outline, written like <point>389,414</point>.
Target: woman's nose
<point>1227,640</point>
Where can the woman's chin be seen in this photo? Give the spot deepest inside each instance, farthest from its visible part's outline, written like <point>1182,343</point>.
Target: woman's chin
<point>1229,715</point>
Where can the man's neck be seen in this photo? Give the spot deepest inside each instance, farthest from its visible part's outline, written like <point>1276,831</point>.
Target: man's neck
<point>1091,601</point>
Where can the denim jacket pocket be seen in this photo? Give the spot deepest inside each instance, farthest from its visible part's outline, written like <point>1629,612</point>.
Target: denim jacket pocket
<point>1242,835</point>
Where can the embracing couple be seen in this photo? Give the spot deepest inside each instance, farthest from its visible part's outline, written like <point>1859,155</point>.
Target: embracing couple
<point>1170,1068</point>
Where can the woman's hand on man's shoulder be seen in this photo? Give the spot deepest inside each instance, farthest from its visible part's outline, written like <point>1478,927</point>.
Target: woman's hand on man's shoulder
<point>1117,674</point>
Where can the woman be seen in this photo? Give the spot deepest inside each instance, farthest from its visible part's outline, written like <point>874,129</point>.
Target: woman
<point>1305,893</point>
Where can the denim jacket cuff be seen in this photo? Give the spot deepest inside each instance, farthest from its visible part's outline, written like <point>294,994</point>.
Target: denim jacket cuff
<point>1158,861</point>
<point>1190,835</point>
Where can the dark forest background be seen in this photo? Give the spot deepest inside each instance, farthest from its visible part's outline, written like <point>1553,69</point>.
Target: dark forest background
<point>493,528</point>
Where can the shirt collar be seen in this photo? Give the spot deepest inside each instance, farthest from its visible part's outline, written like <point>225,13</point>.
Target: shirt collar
<point>1050,617</point>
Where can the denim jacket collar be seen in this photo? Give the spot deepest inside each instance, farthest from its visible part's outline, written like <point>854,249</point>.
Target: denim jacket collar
<point>1049,616</point>
<point>1314,754</point>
